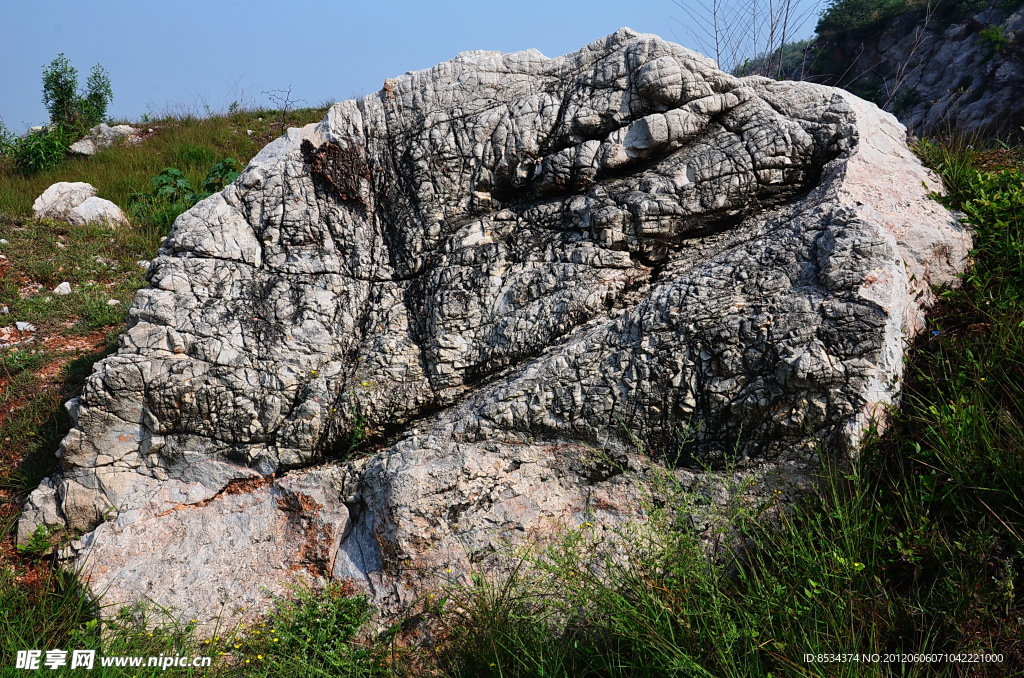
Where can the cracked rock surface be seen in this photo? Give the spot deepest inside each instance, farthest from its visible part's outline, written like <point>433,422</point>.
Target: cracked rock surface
<point>440,320</point>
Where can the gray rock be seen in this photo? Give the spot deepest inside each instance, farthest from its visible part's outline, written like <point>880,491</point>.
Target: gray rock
<point>63,288</point>
<point>102,136</point>
<point>57,201</point>
<point>440,321</point>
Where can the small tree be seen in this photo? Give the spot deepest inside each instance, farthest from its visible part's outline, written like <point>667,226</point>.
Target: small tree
<point>98,95</point>
<point>69,108</point>
<point>60,91</point>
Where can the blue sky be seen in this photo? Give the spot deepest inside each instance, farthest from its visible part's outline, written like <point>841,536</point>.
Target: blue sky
<point>186,55</point>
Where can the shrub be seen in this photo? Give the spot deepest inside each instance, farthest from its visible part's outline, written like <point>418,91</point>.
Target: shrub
<point>841,16</point>
<point>98,95</point>
<point>7,139</point>
<point>71,113</point>
<point>69,108</point>
<point>41,150</point>
<point>993,37</point>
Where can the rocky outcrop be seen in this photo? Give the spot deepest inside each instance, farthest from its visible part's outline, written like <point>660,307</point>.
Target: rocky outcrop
<point>440,321</point>
<point>937,77</point>
<point>102,136</point>
<point>77,204</point>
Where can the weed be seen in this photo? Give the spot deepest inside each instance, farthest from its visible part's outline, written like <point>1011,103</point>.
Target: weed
<point>220,175</point>
<point>14,360</point>
<point>38,544</point>
<point>994,38</point>
<point>173,193</point>
<point>41,150</point>
<point>313,634</point>
<point>191,156</point>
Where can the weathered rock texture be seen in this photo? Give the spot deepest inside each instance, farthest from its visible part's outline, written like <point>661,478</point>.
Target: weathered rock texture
<point>936,77</point>
<point>487,281</point>
<point>101,136</point>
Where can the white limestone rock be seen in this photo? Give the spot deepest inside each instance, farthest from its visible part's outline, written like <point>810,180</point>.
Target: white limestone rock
<point>97,210</point>
<point>57,201</point>
<point>101,136</point>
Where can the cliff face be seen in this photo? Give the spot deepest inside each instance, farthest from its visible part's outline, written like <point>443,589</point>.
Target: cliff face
<point>935,76</point>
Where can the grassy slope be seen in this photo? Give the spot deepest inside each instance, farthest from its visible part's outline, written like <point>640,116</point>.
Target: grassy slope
<point>915,548</point>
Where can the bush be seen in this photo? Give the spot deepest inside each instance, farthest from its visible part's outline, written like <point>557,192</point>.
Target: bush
<point>71,113</point>
<point>993,37</point>
<point>841,16</point>
<point>40,151</point>
<point>7,139</point>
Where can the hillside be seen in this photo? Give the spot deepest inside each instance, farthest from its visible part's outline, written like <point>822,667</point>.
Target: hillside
<point>941,68</point>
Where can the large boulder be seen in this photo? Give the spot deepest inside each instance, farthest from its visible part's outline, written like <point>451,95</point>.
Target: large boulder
<point>490,301</point>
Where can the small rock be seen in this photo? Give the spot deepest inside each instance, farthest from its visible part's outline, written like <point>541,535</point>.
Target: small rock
<point>57,201</point>
<point>102,136</point>
<point>144,265</point>
<point>25,327</point>
<point>63,288</point>
<point>113,302</point>
<point>61,245</point>
<point>96,210</point>
<point>4,309</point>
<point>249,132</point>
<point>3,241</point>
